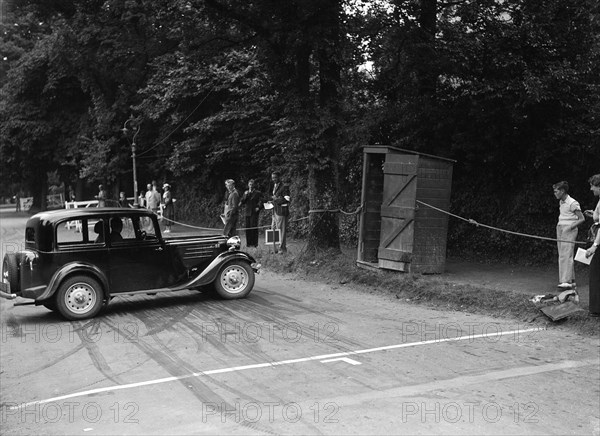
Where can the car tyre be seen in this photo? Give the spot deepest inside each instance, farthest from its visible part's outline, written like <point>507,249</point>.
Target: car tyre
<point>235,280</point>
<point>79,297</point>
<point>10,271</point>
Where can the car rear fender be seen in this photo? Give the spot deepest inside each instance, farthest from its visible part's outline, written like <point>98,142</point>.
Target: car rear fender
<point>209,274</point>
<point>72,269</point>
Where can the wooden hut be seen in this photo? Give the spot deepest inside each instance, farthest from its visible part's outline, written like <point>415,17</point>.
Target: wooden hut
<point>397,231</point>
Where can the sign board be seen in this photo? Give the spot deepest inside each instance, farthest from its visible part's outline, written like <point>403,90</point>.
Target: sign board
<point>272,236</point>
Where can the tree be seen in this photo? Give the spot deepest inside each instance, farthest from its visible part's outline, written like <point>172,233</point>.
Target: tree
<point>298,43</point>
<point>514,102</point>
<point>40,107</point>
<point>74,77</point>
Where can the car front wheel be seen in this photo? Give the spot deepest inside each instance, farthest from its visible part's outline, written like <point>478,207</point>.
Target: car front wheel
<point>235,280</point>
<point>79,297</point>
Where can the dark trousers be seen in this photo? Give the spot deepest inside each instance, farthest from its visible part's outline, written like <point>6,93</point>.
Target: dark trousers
<point>595,283</point>
<point>252,230</point>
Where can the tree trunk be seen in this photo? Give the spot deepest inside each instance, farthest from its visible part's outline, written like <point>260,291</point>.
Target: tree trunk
<point>323,184</point>
<point>39,188</point>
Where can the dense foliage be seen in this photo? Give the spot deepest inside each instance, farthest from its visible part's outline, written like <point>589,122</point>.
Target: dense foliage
<point>237,88</point>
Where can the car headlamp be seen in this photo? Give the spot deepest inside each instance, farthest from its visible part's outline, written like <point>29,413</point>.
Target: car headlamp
<point>234,242</point>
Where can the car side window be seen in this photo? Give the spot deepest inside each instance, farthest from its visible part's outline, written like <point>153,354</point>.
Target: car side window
<point>144,228</point>
<point>77,235</point>
<point>125,230</point>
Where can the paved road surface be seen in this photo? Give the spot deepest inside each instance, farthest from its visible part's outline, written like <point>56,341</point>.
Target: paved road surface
<point>293,358</point>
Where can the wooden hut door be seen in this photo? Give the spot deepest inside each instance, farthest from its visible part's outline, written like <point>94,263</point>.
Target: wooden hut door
<point>398,211</point>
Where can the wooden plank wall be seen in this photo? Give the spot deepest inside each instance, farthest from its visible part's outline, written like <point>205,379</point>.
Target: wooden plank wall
<point>431,226</point>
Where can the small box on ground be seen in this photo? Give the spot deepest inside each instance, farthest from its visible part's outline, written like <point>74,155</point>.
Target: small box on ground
<point>272,236</point>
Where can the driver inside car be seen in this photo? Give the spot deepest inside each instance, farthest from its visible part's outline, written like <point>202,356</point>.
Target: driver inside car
<point>99,229</point>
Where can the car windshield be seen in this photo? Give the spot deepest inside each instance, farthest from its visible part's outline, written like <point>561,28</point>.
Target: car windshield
<point>144,224</point>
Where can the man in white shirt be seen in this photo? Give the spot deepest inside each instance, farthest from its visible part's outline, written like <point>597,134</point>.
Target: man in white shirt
<point>569,218</point>
<point>152,199</point>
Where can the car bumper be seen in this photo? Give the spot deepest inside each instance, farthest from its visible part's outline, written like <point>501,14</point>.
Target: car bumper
<point>5,291</point>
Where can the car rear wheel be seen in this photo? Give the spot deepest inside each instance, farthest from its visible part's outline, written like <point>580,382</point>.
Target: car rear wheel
<point>10,271</point>
<point>79,297</point>
<point>235,280</point>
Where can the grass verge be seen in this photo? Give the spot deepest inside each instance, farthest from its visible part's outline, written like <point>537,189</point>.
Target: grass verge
<point>333,267</point>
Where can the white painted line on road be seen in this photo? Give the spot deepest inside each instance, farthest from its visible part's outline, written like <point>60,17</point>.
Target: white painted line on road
<point>459,382</point>
<point>513,333</point>
<point>343,359</point>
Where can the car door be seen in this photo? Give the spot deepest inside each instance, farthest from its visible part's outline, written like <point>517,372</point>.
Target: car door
<point>70,245</point>
<point>138,259</point>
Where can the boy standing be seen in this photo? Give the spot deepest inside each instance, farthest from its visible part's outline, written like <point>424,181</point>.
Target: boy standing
<point>570,216</point>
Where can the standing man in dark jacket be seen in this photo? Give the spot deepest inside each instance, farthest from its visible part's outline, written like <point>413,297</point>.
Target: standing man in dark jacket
<point>231,211</point>
<point>281,209</point>
<point>252,200</point>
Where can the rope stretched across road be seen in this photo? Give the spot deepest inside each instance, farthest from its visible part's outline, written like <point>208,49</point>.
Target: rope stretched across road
<point>472,221</point>
<point>359,208</point>
<point>219,229</point>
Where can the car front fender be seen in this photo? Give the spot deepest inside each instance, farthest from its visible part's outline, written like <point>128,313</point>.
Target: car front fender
<point>209,274</point>
<point>70,269</point>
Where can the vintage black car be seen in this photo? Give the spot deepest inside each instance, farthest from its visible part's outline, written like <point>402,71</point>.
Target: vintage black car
<point>76,260</point>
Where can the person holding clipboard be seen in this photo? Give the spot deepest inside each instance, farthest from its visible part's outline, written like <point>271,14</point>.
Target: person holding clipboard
<point>591,252</point>
<point>280,199</point>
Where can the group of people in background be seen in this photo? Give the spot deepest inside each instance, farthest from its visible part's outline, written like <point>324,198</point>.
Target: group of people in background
<point>570,218</point>
<point>277,200</point>
<point>152,200</point>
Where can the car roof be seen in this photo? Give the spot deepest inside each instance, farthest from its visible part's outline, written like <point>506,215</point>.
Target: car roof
<point>61,214</point>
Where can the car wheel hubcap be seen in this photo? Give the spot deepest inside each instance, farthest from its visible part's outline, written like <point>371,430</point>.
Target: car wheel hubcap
<point>234,279</point>
<point>80,298</point>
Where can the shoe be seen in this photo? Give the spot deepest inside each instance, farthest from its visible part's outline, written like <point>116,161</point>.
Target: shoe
<point>566,285</point>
